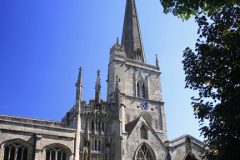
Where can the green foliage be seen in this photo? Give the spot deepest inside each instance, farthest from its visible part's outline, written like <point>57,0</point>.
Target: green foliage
<point>186,8</point>
<point>214,71</point>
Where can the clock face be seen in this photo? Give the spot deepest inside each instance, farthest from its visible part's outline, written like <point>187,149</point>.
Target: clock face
<point>144,106</point>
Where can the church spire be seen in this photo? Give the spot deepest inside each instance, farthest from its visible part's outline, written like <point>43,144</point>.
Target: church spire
<point>131,36</point>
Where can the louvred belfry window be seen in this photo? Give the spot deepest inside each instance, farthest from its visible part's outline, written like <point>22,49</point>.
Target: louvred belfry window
<point>138,90</point>
<point>143,91</point>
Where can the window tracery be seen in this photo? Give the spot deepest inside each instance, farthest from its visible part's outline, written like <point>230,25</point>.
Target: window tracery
<point>144,153</point>
<point>15,151</point>
<point>55,153</point>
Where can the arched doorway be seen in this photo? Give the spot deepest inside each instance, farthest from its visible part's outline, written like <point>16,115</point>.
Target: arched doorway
<point>144,152</point>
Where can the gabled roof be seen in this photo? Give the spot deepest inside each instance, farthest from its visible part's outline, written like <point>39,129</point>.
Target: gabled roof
<point>131,125</point>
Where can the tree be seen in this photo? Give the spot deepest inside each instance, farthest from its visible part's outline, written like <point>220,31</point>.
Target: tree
<point>213,69</point>
<point>187,8</point>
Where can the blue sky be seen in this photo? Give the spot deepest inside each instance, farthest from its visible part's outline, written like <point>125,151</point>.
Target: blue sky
<point>43,43</point>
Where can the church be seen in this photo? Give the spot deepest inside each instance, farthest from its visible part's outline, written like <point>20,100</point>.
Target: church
<point>129,125</point>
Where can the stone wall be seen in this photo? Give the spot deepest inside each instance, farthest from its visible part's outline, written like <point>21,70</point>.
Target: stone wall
<point>37,137</point>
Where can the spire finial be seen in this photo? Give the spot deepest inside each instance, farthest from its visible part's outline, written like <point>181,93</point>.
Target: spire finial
<point>98,83</point>
<point>157,61</point>
<point>79,82</point>
<point>117,40</point>
<point>98,73</point>
<point>98,89</point>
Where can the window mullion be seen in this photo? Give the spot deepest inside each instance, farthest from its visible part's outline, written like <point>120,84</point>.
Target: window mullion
<point>56,155</point>
<point>22,153</point>
<point>10,148</point>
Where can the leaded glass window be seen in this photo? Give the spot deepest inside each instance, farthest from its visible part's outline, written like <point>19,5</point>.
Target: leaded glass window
<point>144,153</point>
<point>15,151</point>
<point>55,153</point>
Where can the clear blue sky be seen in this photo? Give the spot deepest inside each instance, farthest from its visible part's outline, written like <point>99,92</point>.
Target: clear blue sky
<point>43,43</point>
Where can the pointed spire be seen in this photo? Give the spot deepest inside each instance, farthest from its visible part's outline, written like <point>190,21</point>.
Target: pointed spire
<point>131,36</point>
<point>98,88</point>
<point>157,61</point>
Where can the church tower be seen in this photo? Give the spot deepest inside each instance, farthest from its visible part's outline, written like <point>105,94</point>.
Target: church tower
<point>139,83</point>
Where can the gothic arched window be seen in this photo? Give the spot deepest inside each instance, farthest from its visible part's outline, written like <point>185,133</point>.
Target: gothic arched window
<point>143,132</point>
<point>138,54</point>
<point>102,126</point>
<point>92,126</point>
<point>99,128</point>
<point>16,151</point>
<point>53,153</point>
<point>144,153</point>
<point>95,146</point>
<point>99,144</point>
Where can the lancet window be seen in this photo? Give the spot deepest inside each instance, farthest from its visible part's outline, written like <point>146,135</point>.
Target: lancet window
<point>95,146</point>
<point>15,151</point>
<point>102,126</point>
<point>144,153</point>
<point>55,153</point>
<point>99,145</point>
<point>138,55</point>
<point>92,127</point>
<point>143,131</point>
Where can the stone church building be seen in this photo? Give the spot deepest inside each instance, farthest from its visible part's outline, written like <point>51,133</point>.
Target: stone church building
<point>129,125</point>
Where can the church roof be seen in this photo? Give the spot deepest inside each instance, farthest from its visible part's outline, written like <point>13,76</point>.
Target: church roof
<point>131,35</point>
<point>129,126</point>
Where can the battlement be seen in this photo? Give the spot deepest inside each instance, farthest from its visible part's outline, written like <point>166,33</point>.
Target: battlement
<point>105,108</point>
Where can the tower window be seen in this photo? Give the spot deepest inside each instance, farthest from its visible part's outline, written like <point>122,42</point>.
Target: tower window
<point>143,91</point>
<point>138,90</point>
